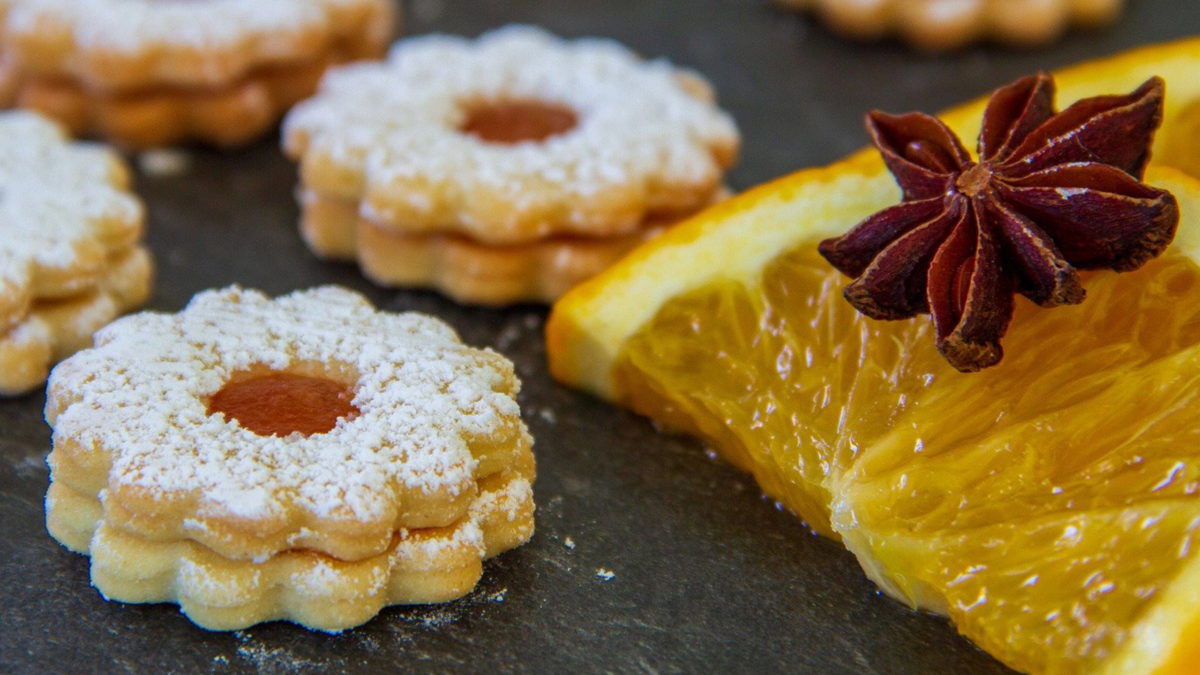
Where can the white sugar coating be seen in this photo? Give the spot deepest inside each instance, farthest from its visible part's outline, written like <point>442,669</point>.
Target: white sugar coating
<point>507,502</point>
<point>133,26</point>
<point>640,131</point>
<point>56,197</point>
<point>31,331</point>
<point>82,317</point>
<point>141,396</point>
<point>321,578</point>
<point>14,271</point>
<point>466,535</point>
<point>197,579</point>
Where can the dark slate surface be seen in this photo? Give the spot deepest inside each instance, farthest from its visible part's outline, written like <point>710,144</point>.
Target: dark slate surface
<point>709,576</point>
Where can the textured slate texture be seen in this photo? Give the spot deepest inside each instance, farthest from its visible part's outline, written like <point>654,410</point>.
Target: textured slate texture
<point>709,576</point>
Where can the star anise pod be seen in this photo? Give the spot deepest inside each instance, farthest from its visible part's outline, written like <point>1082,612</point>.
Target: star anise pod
<point>1051,193</point>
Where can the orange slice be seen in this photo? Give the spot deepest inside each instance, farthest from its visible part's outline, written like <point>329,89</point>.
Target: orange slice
<point>1049,505</point>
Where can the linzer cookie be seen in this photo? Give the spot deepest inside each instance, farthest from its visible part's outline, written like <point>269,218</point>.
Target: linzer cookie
<point>70,253</point>
<point>148,73</point>
<point>467,165</point>
<point>947,24</point>
<point>306,458</point>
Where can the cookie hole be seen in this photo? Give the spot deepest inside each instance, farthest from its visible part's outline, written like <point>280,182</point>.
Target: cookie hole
<point>281,403</point>
<point>507,122</point>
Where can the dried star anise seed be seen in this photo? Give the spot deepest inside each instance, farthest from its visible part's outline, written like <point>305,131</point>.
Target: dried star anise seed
<point>1051,193</point>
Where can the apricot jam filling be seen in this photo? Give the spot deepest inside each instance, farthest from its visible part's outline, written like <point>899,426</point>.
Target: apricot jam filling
<point>518,121</point>
<point>280,404</point>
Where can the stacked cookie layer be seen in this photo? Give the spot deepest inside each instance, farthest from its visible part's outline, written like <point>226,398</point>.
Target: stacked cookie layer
<point>462,267</point>
<point>397,502</point>
<point>71,257</point>
<point>503,169</point>
<point>146,73</point>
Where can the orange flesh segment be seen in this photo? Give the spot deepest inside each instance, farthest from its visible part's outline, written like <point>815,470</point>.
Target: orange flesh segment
<point>958,485</point>
<point>281,404</point>
<point>509,122</point>
<point>717,263</point>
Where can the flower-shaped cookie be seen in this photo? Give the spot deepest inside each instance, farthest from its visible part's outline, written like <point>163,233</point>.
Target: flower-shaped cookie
<point>70,259</point>
<point>148,72</point>
<point>255,426</point>
<point>947,24</point>
<point>513,137</point>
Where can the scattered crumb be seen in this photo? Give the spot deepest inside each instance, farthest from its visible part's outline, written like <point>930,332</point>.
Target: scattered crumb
<point>31,466</point>
<point>365,640</point>
<point>569,543</point>
<point>164,162</point>
<point>264,657</point>
<point>220,658</point>
<point>711,454</point>
<point>508,336</point>
<point>548,415</point>
<point>498,596</point>
<point>604,574</point>
<point>433,616</point>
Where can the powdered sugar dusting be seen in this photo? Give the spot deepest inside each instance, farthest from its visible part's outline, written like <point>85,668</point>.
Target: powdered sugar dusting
<point>31,331</point>
<point>141,394</point>
<point>136,25</point>
<point>56,198</point>
<point>466,536</point>
<point>272,659</point>
<point>507,503</point>
<point>200,580</point>
<point>642,136</point>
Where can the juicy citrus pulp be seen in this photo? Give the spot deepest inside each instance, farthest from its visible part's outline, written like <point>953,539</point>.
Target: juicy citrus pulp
<point>1044,504</point>
<point>1049,505</point>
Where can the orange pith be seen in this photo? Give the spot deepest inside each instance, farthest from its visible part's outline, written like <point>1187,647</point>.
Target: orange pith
<point>1049,506</point>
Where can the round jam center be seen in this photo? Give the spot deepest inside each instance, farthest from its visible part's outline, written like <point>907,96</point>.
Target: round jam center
<point>509,122</point>
<point>280,404</point>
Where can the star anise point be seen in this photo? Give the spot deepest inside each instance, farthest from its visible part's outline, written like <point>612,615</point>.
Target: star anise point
<point>1049,193</point>
<point>970,357</point>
